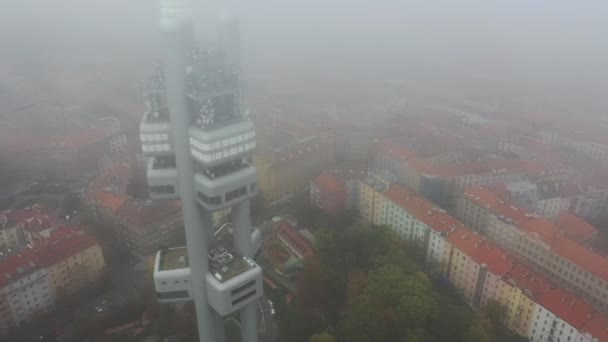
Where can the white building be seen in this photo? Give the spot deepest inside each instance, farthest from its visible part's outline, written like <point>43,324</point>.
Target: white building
<point>27,286</point>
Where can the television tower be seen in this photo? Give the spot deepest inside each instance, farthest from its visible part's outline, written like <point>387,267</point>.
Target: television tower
<point>199,142</point>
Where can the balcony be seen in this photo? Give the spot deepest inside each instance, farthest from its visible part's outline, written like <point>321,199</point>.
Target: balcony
<point>224,144</point>
<point>225,190</point>
<point>162,178</point>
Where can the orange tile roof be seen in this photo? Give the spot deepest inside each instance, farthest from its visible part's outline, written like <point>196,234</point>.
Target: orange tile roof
<point>295,239</point>
<point>424,210</point>
<point>471,168</point>
<point>525,278</point>
<point>107,199</point>
<point>575,227</point>
<point>568,307</point>
<point>597,327</point>
<point>18,266</point>
<point>543,228</point>
<point>330,183</point>
<point>581,256</point>
<point>502,208</point>
<point>482,251</point>
<point>63,246</point>
<point>396,151</point>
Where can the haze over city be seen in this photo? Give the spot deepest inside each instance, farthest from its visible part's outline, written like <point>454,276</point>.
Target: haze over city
<point>188,170</point>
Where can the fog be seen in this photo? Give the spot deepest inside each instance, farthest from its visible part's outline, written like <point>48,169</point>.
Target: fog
<point>553,49</point>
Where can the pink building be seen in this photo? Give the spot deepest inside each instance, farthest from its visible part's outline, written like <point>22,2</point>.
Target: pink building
<point>328,193</point>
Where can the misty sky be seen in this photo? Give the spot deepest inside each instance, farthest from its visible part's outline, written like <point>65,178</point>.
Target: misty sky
<point>554,43</point>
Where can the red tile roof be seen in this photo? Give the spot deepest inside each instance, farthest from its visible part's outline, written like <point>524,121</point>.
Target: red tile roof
<point>63,244</point>
<point>502,208</point>
<point>482,251</point>
<point>470,168</point>
<point>597,327</point>
<point>396,151</point>
<point>546,230</point>
<point>422,209</point>
<point>543,228</point>
<point>534,284</point>
<point>107,198</point>
<point>575,228</point>
<point>295,240</point>
<point>33,219</point>
<point>18,266</point>
<point>568,307</point>
<point>330,183</point>
<point>581,256</point>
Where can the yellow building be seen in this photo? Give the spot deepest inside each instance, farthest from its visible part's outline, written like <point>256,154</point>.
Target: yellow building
<point>72,261</point>
<point>520,289</point>
<point>285,170</point>
<point>370,202</point>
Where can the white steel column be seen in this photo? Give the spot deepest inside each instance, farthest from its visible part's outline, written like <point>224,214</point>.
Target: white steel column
<point>196,236</point>
<point>241,221</point>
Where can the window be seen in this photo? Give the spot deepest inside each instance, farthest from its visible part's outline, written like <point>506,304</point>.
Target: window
<point>242,191</point>
<point>215,200</point>
<point>162,189</point>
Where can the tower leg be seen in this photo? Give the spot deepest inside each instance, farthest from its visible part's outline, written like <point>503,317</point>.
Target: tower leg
<point>241,221</point>
<point>196,237</point>
<point>249,323</point>
<point>220,333</point>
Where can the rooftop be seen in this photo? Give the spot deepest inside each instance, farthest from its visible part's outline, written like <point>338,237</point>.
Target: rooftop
<point>524,278</point>
<point>575,227</point>
<point>330,183</point>
<point>225,265</point>
<point>581,256</point>
<point>396,151</point>
<point>434,217</point>
<point>18,266</point>
<point>568,307</point>
<point>173,258</point>
<point>597,327</point>
<point>481,250</point>
<point>501,207</point>
<point>63,243</point>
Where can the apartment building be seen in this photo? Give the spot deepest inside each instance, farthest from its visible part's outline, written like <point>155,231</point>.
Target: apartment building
<point>369,190</point>
<point>476,265</point>
<point>559,316</point>
<point>26,285</point>
<point>547,247</point>
<point>328,193</point>
<point>72,261</point>
<point>286,169</point>
<point>483,270</point>
<point>519,291</point>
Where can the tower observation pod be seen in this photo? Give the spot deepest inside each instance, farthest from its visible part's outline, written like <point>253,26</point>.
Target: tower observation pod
<point>199,144</point>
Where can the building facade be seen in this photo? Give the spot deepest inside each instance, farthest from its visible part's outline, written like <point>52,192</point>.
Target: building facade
<point>284,171</point>
<point>328,193</point>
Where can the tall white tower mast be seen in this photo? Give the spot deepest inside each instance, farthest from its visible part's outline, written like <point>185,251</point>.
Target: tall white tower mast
<point>199,144</point>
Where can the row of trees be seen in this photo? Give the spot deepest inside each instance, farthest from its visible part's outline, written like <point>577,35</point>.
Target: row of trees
<point>366,284</point>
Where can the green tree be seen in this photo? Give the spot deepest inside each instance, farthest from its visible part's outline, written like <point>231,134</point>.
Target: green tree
<point>323,337</point>
<point>479,331</point>
<point>495,312</point>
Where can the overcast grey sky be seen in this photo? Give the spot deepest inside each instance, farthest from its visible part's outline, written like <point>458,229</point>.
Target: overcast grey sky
<point>534,41</point>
